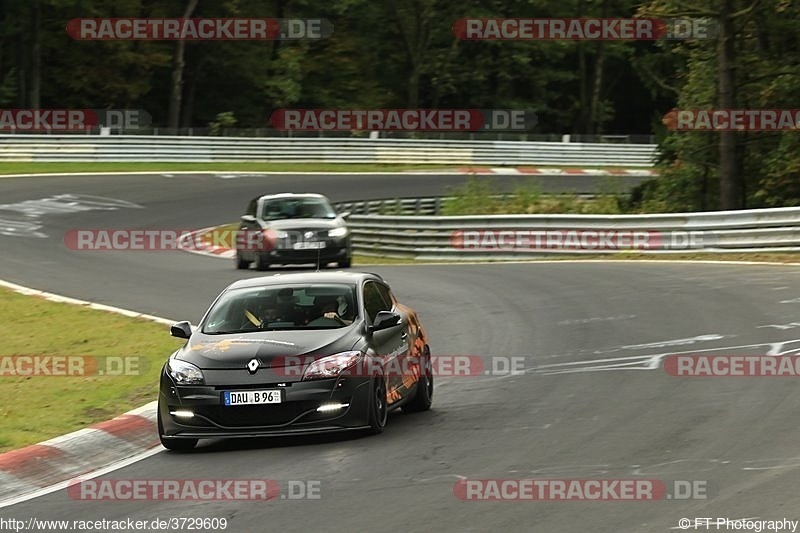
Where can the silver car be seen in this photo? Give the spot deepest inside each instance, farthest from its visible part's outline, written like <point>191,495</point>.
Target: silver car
<point>288,228</point>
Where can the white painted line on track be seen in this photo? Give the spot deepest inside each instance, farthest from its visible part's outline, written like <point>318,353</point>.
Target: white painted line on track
<point>27,291</point>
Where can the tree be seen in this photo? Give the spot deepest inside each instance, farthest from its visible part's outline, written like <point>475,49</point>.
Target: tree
<point>176,92</point>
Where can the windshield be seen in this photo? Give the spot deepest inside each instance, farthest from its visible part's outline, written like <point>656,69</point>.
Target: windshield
<point>252,309</point>
<point>286,208</point>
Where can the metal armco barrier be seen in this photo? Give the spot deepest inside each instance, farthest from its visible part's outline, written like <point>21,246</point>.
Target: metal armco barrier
<point>408,206</point>
<point>509,237</point>
<point>91,148</point>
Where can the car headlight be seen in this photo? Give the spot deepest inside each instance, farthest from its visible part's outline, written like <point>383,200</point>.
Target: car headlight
<point>185,373</point>
<point>331,366</point>
<point>273,234</point>
<point>337,232</point>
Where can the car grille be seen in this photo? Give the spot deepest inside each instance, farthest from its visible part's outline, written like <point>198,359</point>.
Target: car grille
<point>247,416</point>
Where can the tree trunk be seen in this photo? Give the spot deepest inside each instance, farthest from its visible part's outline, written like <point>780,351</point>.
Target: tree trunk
<point>730,186</point>
<point>597,86</point>
<point>188,103</point>
<point>597,82</point>
<point>583,94</point>
<point>22,75</point>
<point>413,88</point>
<point>36,54</point>
<point>416,34</point>
<point>176,92</point>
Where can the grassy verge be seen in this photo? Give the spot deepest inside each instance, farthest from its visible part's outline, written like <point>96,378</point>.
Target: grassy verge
<point>482,197</point>
<point>36,408</point>
<point>68,168</point>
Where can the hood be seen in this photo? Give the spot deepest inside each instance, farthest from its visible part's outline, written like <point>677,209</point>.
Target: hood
<point>220,352</point>
<point>304,223</point>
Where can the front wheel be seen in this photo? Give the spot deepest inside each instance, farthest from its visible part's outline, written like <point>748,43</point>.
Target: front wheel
<point>378,411</point>
<point>241,264</point>
<point>262,262</point>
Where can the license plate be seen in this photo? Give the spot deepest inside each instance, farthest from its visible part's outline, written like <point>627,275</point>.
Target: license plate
<point>309,245</point>
<point>251,397</point>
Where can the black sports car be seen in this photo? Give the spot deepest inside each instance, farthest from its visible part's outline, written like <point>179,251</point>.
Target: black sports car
<point>295,354</point>
<point>290,228</point>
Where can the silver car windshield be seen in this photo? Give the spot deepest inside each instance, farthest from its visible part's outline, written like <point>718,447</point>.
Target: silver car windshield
<point>289,208</point>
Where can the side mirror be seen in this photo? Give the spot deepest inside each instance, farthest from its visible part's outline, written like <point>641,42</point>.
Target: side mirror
<point>345,214</point>
<point>181,330</point>
<point>248,218</point>
<point>385,320</point>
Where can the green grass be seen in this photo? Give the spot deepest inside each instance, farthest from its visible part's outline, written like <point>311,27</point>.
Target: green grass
<point>69,168</point>
<point>37,408</point>
<point>482,197</point>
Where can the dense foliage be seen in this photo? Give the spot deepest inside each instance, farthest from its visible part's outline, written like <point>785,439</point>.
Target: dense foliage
<point>403,53</point>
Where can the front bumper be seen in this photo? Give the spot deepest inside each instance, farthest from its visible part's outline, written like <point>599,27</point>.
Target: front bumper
<point>289,256</point>
<point>283,251</point>
<point>296,415</point>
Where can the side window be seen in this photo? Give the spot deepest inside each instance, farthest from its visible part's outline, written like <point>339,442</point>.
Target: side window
<point>374,301</point>
<point>386,294</point>
<point>251,207</point>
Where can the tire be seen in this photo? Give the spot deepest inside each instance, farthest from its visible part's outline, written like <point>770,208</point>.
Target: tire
<point>241,264</point>
<point>423,397</point>
<point>345,264</point>
<point>178,445</point>
<point>378,411</point>
<point>262,263</point>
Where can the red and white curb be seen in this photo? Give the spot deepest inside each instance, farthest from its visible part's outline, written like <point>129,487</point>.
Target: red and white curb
<point>40,468</point>
<point>193,244</point>
<point>50,465</point>
<point>557,171</point>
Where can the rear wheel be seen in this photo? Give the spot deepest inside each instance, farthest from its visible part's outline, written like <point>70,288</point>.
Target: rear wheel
<point>178,445</point>
<point>378,411</point>
<point>423,397</point>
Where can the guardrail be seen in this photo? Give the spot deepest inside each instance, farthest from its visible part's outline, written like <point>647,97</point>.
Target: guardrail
<point>509,237</point>
<point>93,148</point>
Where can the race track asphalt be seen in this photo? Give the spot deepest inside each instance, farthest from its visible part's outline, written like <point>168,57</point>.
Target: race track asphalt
<point>594,400</point>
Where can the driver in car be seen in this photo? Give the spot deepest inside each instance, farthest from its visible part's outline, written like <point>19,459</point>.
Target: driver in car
<point>330,310</point>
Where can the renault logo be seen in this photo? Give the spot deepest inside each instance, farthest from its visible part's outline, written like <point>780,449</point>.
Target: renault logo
<point>252,366</point>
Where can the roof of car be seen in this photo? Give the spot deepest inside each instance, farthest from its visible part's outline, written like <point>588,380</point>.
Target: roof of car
<point>340,276</point>
<point>292,195</point>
